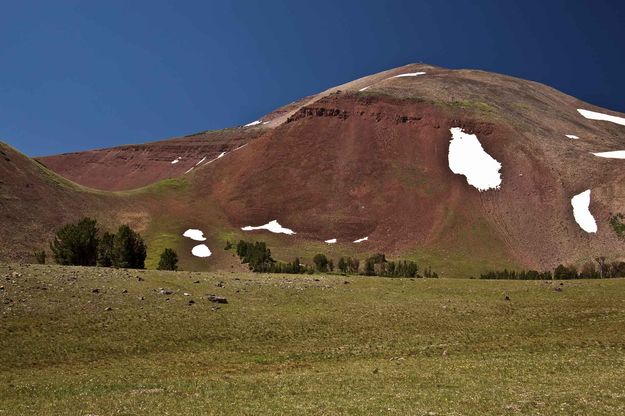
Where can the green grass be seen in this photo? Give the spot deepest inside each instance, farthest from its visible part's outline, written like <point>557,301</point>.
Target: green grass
<point>293,345</point>
<point>470,105</point>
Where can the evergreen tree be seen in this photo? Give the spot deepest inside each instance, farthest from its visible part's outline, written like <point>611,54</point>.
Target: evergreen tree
<point>169,260</point>
<point>321,263</point>
<point>105,250</point>
<point>342,265</point>
<point>129,250</point>
<point>76,244</point>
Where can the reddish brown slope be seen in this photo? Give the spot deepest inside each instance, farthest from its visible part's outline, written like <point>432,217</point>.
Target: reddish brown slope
<point>134,166</point>
<point>355,165</point>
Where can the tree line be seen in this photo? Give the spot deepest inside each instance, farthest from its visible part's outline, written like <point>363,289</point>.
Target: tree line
<point>600,269</point>
<point>258,258</point>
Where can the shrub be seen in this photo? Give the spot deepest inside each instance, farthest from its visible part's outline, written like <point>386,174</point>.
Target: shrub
<point>76,244</point>
<point>169,260</point>
<point>616,222</point>
<point>40,256</point>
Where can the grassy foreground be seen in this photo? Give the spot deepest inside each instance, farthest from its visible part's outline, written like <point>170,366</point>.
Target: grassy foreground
<point>296,345</point>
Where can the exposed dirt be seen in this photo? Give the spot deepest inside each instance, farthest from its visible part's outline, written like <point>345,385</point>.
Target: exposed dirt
<point>133,166</point>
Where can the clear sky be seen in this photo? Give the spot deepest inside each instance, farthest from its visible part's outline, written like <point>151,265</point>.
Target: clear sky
<point>76,75</point>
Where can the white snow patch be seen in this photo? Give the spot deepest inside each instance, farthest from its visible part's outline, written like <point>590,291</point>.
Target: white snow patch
<point>617,154</point>
<point>273,226</point>
<point>203,159</point>
<point>222,154</point>
<point>572,136</point>
<point>360,240</point>
<point>331,241</point>
<point>365,88</point>
<point>265,122</point>
<point>201,251</point>
<point>253,123</point>
<point>409,74</point>
<point>468,158</point>
<point>240,147</point>
<point>581,212</point>
<point>190,169</point>
<point>593,115</point>
<point>173,162</point>
<point>194,234</point>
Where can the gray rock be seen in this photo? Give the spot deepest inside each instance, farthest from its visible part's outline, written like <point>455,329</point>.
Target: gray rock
<point>217,299</point>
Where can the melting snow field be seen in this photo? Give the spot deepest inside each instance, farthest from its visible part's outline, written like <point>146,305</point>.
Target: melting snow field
<point>360,240</point>
<point>593,115</point>
<point>410,74</point>
<point>572,136</point>
<point>332,241</point>
<point>617,154</point>
<point>468,158</point>
<point>253,123</point>
<point>272,226</point>
<point>581,212</point>
<point>173,162</point>
<point>194,234</point>
<point>201,251</point>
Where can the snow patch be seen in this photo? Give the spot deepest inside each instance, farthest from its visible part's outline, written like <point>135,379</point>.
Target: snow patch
<point>365,88</point>
<point>253,123</point>
<point>360,240</point>
<point>178,159</point>
<point>222,154</point>
<point>194,234</point>
<point>273,226</point>
<point>467,157</point>
<point>190,169</point>
<point>409,74</point>
<point>617,154</point>
<point>331,241</point>
<point>572,136</point>
<point>581,212</point>
<point>201,251</point>
<point>203,159</point>
<point>593,115</point>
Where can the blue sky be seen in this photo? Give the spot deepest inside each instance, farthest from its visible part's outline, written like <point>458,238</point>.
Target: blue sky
<point>76,75</point>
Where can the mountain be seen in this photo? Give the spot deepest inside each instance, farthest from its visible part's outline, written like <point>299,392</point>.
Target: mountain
<point>371,159</point>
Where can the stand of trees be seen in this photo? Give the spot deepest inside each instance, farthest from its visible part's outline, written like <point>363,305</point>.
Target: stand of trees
<point>258,257</point>
<point>82,244</point>
<point>602,269</point>
<point>378,265</point>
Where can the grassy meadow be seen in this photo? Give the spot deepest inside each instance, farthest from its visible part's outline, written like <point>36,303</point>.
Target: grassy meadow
<point>91,341</point>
